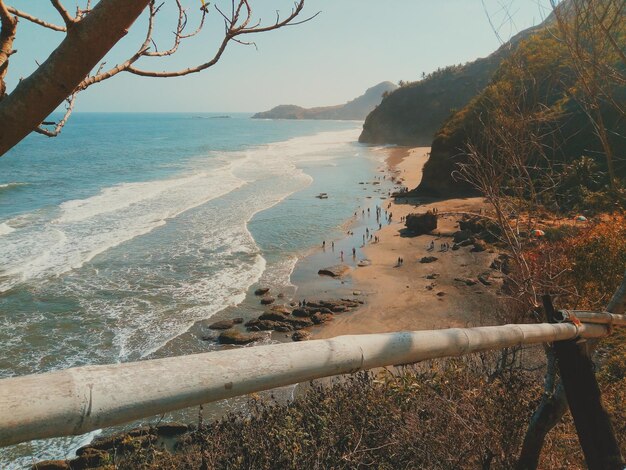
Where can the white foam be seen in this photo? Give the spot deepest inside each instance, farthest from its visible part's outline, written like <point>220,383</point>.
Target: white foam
<point>123,196</point>
<point>92,226</point>
<point>5,229</point>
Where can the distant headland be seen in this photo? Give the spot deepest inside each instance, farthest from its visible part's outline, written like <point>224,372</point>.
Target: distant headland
<point>357,109</point>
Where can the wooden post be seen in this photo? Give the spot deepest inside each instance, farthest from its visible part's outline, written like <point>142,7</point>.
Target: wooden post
<point>593,425</point>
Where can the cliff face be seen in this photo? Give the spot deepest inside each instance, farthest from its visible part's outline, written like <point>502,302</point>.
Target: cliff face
<point>357,109</point>
<point>536,82</point>
<point>412,114</point>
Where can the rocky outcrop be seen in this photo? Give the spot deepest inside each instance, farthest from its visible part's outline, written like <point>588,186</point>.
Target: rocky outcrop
<point>334,271</point>
<point>222,325</point>
<point>301,336</point>
<point>357,109</point>
<point>421,224</point>
<point>238,337</point>
<point>285,319</point>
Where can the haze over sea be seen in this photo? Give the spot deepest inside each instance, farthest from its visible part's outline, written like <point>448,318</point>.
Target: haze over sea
<point>116,237</point>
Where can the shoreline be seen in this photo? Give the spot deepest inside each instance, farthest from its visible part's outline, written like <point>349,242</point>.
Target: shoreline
<point>402,297</point>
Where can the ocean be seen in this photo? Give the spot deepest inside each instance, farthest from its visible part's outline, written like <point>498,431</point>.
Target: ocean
<point>122,237</point>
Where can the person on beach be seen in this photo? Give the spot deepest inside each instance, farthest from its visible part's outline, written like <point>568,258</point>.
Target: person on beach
<point>332,245</point>
<point>353,252</point>
<point>324,244</point>
<point>363,239</point>
<point>341,255</point>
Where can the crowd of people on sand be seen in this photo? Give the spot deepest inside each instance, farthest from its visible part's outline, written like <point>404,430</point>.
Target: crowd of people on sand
<point>382,215</point>
<point>369,236</point>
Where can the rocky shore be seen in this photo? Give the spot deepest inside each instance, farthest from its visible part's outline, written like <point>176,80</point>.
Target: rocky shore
<point>282,318</point>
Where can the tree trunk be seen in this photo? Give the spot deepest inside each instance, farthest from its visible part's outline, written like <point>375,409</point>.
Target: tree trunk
<point>86,44</point>
<point>553,407</point>
<point>546,416</point>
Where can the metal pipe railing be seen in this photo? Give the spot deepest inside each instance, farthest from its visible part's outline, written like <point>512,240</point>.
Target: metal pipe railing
<point>82,399</point>
<point>599,318</point>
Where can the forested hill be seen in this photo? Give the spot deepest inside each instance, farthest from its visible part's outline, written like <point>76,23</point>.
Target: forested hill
<point>357,109</point>
<point>413,113</point>
<point>535,108</point>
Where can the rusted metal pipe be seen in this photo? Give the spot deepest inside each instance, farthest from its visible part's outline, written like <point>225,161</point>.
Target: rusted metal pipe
<point>599,318</point>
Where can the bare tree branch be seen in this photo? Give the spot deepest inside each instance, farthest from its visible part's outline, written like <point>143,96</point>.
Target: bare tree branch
<point>68,19</point>
<point>23,101</point>
<point>34,19</point>
<point>236,23</point>
<point>234,26</point>
<point>59,125</point>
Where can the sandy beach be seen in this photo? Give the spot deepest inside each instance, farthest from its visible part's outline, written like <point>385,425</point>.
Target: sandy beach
<point>402,297</point>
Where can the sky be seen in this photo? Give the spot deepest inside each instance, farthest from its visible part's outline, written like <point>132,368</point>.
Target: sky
<point>350,46</point>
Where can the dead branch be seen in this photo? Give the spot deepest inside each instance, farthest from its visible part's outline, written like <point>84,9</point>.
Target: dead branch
<point>236,23</point>
<point>95,40</point>
<point>34,19</point>
<point>58,126</point>
<point>68,19</point>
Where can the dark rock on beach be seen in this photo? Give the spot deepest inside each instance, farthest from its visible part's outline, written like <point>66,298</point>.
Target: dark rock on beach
<point>428,259</point>
<point>461,236</point>
<point>301,336</point>
<point>273,316</point>
<point>222,325</point>
<point>301,312</point>
<point>238,337</point>
<point>334,271</point>
<point>420,224</point>
<point>479,246</point>
<point>267,300</point>
<point>261,291</point>
<point>319,318</point>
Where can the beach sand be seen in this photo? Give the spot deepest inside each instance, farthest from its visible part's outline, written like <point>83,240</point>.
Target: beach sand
<point>401,297</point>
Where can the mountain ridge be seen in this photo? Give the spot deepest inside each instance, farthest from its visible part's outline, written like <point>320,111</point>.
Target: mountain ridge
<point>356,109</point>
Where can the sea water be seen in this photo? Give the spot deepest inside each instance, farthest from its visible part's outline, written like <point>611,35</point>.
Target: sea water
<point>121,234</point>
